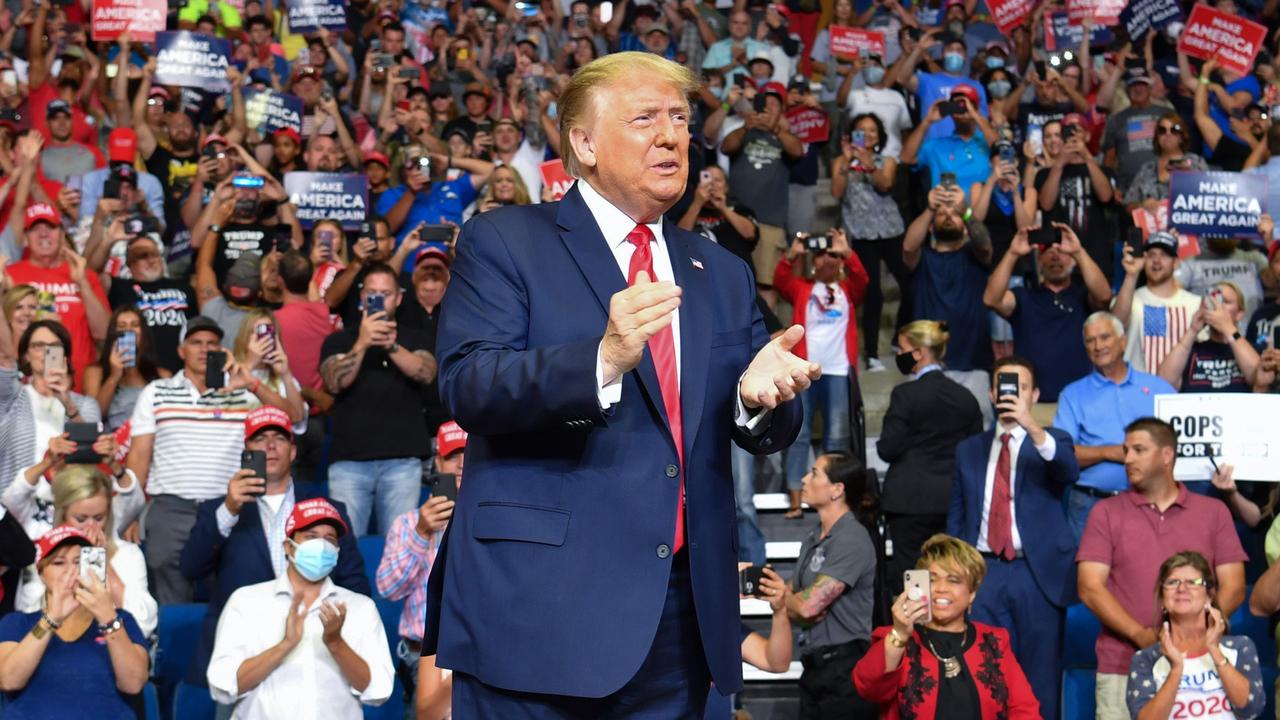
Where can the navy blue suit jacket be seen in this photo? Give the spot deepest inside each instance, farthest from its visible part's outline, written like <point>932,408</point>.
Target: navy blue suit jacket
<point>554,570</point>
<point>241,559</point>
<point>1039,486</point>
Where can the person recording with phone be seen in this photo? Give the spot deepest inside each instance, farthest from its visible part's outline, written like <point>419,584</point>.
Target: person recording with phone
<point>1150,185</point>
<point>1195,664</point>
<point>1007,501</point>
<point>962,153</point>
<point>126,363</point>
<point>236,223</point>
<point>1225,361</point>
<point>238,539</point>
<point>731,226</point>
<point>436,190</point>
<point>165,304</point>
<point>77,632</point>
<point>936,662</point>
<point>379,436</point>
<point>258,350</point>
<point>410,550</point>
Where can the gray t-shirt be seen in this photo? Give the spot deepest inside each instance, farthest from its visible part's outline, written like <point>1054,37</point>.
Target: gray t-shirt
<point>845,554</point>
<point>1131,132</point>
<point>60,162</point>
<point>758,177</point>
<point>228,318</point>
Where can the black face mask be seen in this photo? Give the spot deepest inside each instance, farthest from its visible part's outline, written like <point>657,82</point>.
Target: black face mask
<point>948,234</point>
<point>906,361</point>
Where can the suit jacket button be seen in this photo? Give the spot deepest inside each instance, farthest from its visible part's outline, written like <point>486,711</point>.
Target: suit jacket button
<point>672,471</point>
<point>664,550</point>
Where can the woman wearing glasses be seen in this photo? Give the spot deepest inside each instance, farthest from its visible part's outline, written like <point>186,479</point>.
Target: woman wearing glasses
<point>1151,185</point>
<point>1196,670</point>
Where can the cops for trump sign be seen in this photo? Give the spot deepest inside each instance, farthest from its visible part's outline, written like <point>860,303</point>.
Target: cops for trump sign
<point>1217,203</point>
<point>1231,428</point>
<point>343,197</point>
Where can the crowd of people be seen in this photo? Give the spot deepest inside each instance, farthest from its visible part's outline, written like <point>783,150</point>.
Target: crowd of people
<point>207,397</point>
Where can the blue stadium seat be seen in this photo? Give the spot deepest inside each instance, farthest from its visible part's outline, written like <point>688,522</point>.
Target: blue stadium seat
<point>371,550</point>
<point>1078,694</point>
<point>177,629</point>
<point>151,701</point>
<point>192,702</point>
<point>1081,632</point>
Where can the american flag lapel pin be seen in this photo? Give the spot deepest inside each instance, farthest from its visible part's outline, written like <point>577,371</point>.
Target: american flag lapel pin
<point>696,263</point>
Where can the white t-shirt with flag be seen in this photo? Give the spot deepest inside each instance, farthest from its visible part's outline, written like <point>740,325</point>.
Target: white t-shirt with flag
<point>1156,325</point>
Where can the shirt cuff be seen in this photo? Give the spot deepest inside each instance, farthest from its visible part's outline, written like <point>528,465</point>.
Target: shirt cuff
<point>753,422</point>
<point>1049,449</point>
<point>226,521</point>
<point>609,394</point>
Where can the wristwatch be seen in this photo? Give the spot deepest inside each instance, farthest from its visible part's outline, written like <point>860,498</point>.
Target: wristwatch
<point>43,627</point>
<point>215,228</point>
<point>1236,336</point>
<point>111,627</point>
<point>395,348</point>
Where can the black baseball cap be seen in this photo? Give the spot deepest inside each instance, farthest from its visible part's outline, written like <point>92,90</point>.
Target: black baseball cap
<point>200,323</point>
<point>1162,240</point>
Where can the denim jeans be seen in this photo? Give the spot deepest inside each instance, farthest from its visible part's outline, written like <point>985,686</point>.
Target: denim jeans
<point>750,539</point>
<point>408,678</point>
<point>832,393</point>
<point>394,484</point>
<point>1078,506</point>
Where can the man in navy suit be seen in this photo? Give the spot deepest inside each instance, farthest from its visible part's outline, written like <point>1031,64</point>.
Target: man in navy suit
<point>602,360</point>
<point>1007,501</point>
<point>230,538</point>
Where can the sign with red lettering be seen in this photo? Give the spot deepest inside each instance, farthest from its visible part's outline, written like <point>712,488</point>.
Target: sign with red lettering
<point>1103,12</point>
<point>554,176</point>
<point>1009,14</point>
<point>1211,33</point>
<point>142,18</point>
<point>852,42</point>
<point>811,125</point>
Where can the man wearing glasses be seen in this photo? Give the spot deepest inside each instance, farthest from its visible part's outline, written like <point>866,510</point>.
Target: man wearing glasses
<point>1055,308</point>
<point>1125,541</point>
<point>166,304</point>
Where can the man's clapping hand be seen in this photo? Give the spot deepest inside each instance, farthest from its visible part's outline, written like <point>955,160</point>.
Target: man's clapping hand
<point>776,375</point>
<point>635,315</point>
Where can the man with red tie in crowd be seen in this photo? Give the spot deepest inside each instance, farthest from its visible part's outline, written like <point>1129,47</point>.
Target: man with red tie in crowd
<point>602,360</point>
<point>1006,501</point>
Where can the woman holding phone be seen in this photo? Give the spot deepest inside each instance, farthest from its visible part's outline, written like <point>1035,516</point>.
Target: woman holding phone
<point>258,350</point>
<point>126,363</point>
<point>328,256</point>
<point>1196,670</point>
<point>78,655</point>
<point>1172,145</point>
<point>933,661</point>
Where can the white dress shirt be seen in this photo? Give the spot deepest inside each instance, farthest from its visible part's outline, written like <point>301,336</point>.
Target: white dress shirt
<point>308,684</point>
<point>1017,435</point>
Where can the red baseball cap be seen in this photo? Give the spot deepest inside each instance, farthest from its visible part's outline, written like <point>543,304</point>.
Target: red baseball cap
<point>213,138</point>
<point>267,416</point>
<point>122,145</point>
<point>431,253</point>
<point>1073,119</point>
<point>50,541</point>
<point>289,133</point>
<point>41,212</point>
<point>309,512</point>
<point>969,92</point>
<point>375,156</point>
<point>450,438</point>
<point>775,88</point>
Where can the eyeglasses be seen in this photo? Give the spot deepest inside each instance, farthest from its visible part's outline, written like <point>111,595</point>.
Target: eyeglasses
<point>43,346</point>
<point>143,255</point>
<point>1168,129</point>
<point>1177,583</point>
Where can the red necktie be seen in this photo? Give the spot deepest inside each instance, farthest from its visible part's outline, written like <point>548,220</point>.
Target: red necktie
<point>663,349</point>
<point>1000,519</point>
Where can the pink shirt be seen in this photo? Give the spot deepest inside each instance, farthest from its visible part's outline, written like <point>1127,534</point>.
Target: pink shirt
<point>1129,534</point>
<point>303,328</point>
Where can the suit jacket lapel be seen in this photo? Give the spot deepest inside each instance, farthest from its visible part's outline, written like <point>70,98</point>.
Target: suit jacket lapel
<point>251,521</point>
<point>695,328</point>
<point>582,238</point>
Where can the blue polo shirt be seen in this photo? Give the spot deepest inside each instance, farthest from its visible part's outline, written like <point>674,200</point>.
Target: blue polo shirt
<point>1094,411</point>
<point>443,203</point>
<point>969,159</point>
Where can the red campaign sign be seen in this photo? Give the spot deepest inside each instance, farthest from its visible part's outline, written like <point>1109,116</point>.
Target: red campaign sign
<point>554,176</point>
<point>1009,14</point>
<point>142,18</point>
<point>852,42</point>
<point>809,124</point>
<point>1103,12</point>
<point>1149,222</point>
<point>1212,33</point>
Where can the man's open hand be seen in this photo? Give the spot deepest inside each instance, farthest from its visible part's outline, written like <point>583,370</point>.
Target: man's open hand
<point>775,375</point>
<point>635,315</point>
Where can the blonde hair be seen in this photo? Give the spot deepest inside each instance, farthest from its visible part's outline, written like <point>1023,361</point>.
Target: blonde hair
<point>1235,289</point>
<point>241,348</point>
<point>74,483</point>
<point>339,249</point>
<point>522,191</point>
<point>929,334</point>
<point>953,554</point>
<point>576,104</point>
<point>13,296</point>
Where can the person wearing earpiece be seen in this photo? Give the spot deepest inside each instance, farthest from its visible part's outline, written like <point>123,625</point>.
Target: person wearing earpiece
<point>300,646</point>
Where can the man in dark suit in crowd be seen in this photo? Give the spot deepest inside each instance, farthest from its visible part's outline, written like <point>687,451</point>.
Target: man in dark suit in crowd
<point>1007,501</point>
<point>230,538</point>
<point>602,360</point>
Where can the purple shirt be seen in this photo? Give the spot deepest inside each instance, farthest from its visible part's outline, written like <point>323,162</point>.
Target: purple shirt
<point>1132,537</point>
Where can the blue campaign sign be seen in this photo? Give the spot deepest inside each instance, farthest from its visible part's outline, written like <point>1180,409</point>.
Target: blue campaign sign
<point>1060,34</point>
<point>1140,16</point>
<point>343,197</point>
<point>1217,203</point>
<point>267,111</point>
<point>189,59</point>
<point>307,16</point>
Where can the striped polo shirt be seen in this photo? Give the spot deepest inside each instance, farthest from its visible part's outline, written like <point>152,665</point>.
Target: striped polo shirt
<point>198,438</point>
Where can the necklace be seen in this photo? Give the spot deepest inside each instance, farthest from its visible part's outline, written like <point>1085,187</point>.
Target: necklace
<point>950,665</point>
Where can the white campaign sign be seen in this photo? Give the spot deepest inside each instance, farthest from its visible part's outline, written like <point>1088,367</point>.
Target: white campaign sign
<point>1232,428</point>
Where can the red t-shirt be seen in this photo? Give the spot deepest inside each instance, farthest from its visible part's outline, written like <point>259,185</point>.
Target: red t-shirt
<point>82,130</point>
<point>303,328</point>
<point>57,281</point>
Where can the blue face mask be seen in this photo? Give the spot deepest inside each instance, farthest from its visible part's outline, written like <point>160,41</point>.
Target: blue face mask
<point>1000,89</point>
<point>553,110</point>
<point>953,62</point>
<point>873,74</point>
<point>719,92</point>
<point>314,559</point>
<point>994,62</point>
